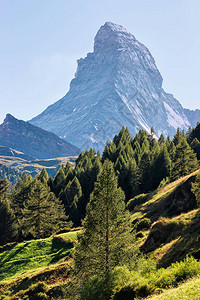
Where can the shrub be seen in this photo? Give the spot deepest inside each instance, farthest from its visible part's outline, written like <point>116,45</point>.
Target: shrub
<point>124,293</point>
<point>164,182</point>
<point>96,289</point>
<point>137,200</point>
<point>142,224</point>
<point>102,288</point>
<point>40,296</point>
<point>176,272</point>
<point>162,231</point>
<point>145,290</point>
<point>36,291</point>
<point>57,291</point>
<point>62,241</point>
<point>139,235</point>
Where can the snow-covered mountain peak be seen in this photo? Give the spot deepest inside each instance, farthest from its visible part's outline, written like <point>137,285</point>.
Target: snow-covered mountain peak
<point>118,84</point>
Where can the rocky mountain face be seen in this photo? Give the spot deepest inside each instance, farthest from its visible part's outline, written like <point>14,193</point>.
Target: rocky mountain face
<point>193,116</point>
<point>31,141</point>
<point>117,84</point>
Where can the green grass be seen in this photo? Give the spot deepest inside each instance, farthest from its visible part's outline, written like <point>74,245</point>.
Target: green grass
<point>33,254</point>
<point>189,290</point>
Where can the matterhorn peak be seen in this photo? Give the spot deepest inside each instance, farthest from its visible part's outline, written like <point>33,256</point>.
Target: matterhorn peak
<point>117,84</point>
<point>111,35</point>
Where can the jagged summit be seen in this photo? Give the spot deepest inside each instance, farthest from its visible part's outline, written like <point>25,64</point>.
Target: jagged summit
<point>111,35</point>
<point>117,84</point>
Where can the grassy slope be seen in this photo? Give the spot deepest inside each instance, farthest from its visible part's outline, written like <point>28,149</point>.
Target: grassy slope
<point>35,166</point>
<point>184,239</point>
<point>45,260</point>
<point>189,290</point>
<point>33,254</point>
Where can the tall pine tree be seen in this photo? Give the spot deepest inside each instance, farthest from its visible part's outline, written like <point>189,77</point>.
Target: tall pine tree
<point>43,213</point>
<point>185,160</point>
<point>106,234</point>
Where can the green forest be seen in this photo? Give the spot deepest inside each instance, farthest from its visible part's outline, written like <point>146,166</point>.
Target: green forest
<point>101,215</point>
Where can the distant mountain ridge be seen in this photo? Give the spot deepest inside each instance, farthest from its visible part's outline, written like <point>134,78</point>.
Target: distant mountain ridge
<point>22,139</point>
<point>6,151</point>
<point>117,84</point>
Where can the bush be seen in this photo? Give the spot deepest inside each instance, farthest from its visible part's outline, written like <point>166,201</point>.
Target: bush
<point>96,289</point>
<point>139,235</point>
<point>145,290</point>
<point>124,293</point>
<point>164,182</point>
<point>176,272</point>
<point>36,291</point>
<point>137,200</point>
<point>59,240</point>
<point>142,224</point>
<point>57,291</point>
<point>41,296</point>
<point>102,288</point>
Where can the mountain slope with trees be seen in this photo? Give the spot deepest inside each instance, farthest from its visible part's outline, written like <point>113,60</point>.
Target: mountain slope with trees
<point>140,206</point>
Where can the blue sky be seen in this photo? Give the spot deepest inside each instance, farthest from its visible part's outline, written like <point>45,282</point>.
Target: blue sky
<point>41,41</point>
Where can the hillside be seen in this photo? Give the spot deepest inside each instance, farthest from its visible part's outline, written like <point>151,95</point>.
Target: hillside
<point>175,221</point>
<point>187,291</point>
<point>31,141</point>
<point>33,167</point>
<point>45,259</point>
<point>173,234</point>
<point>12,174</point>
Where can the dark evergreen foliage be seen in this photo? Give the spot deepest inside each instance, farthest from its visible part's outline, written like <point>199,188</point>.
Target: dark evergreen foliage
<point>8,224</point>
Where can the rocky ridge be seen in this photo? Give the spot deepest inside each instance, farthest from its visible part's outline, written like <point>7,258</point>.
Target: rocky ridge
<point>21,139</point>
<point>117,84</point>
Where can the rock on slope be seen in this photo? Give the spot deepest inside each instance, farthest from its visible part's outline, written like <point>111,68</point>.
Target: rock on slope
<point>33,141</point>
<point>118,84</point>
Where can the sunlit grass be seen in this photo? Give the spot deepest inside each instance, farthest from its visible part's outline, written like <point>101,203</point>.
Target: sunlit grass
<point>33,254</point>
<point>189,290</point>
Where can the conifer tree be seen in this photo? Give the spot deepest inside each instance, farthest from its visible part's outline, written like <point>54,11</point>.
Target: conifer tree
<point>161,139</point>
<point>185,160</point>
<point>195,145</point>
<point>177,137</point>
<point>137,152</point>
<point>70,198</point>
<point>161,167</point>
<point>8,224</point>
<point>43,213</point>
<point>103,243</point>
<point>43,176</point>
<point>60,176</point>
<point>20,194</point>
<point>145,173</point>
<point>196,188</point>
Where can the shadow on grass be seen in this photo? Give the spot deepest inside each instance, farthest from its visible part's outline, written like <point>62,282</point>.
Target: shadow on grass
<point>9,254</point>
<point>61,248</point>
